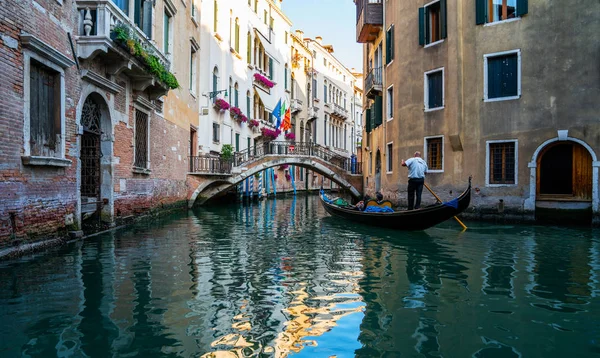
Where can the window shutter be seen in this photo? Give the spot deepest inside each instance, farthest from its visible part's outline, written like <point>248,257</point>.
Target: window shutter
<point>392,43</point>
<point>378,111</point>
<point>422,26</point>
<point>387,47</point>
<point>443,16</point>
<point>368,121</point>
<point>522,7</point>
<point>270,68</point>
<point>480,12</point>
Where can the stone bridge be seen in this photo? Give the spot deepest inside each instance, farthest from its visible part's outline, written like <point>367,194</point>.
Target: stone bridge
<point>211,175</point>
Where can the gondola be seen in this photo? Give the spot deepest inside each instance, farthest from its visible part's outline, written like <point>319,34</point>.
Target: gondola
<point>409,220</point>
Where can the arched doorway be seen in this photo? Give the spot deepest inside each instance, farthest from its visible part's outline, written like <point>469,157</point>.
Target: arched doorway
<point>96,189</point>
<point>378,171</point>
<point>564,172</point>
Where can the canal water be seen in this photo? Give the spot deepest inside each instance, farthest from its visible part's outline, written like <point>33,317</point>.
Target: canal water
<point>283,279</point>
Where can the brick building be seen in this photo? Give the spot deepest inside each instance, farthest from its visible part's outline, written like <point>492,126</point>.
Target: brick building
<point>101,135</point>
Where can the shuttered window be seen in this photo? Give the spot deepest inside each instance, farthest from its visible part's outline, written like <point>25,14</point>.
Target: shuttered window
<point>502,77</point>
<point>389,45</point>
<point>432,23</point>
<point>502,163</point>
<point>215,135</point>
<point>434,89</point>
<point>368,121</point>
<point>141,140</point>
<point>44,111</point>
<point>237,142</point>
<point>487,11</point>
<point>377,112</point>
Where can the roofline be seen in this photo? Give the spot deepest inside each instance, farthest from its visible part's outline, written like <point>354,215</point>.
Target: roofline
<point>279,11</point>
<point>329,53</point>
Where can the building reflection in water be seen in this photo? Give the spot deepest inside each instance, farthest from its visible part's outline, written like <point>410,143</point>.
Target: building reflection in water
<point>280,278</point>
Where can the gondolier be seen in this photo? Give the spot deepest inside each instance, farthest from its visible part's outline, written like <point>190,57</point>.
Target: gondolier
<point>417,168</point>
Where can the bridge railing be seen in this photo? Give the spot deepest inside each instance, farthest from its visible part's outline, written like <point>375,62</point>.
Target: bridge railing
<point>296,148</point>
<point>210,164</point>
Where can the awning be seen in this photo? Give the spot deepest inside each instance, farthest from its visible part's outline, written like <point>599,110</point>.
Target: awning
<point>269,101</point>
<point>269,47</point>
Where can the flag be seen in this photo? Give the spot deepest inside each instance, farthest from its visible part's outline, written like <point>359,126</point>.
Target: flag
<point>283,108</point>
<point>277,113</point>
<point>287,120</point>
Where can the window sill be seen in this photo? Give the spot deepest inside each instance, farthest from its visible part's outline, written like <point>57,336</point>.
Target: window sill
<point>389,119</point>
<point>143,171</point>
<point>389,63</point>
<point>433,109</point>
<point>193,94</point>
<point>46,161</point>
<point>434,43</point>
<point>217,36</point>
<point>435,171</point>
<point>195,21</point>
<point>502,22</point>
<point>217,143</point>
<point>250,66</point>
<point>389,172</point>
<point>498,185</point>
<point>235,53</point>
<point>499,99</point>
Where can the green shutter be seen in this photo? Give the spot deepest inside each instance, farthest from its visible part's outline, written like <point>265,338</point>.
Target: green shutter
<point>248,106</point>
<point>378,111</point>
<point>270,68</point>
<point>387,47</point>
<point>421,26</point>
<point>237,142</point>
<point>522,7</point>
<point>368,121</point>
<point>285,77</point>
<point>480,12</point>
<point>392,43</point>
<point>443,16</point>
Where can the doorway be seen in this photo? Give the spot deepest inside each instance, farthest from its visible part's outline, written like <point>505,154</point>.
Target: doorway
<point>565,173</point>
<point>90,157</point>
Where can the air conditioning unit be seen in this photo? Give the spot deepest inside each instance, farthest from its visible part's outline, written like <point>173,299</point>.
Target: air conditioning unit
<point>204,111</point>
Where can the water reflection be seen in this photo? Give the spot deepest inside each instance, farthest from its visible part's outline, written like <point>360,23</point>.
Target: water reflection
<point>281,278</point>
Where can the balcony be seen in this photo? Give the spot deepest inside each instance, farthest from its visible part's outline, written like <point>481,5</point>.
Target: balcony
<point>97,21</point>
<point>340,111</point>
<point>374,83</point>
<point>313,112</point>
<point>296,105</point>
<point>369,20</point>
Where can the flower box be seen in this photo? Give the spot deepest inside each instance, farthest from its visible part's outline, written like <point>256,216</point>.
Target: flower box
<point>263,80</point>
<point>270,134</point>
<point>253,123</point>
<point>222,104</point>
<point>290,136</point>
<point>237,114</point>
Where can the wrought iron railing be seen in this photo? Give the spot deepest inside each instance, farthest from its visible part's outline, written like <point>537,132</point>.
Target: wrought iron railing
<point>373,79</point>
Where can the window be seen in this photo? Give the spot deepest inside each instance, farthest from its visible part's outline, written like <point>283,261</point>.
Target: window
<point>45,111</point>
<point>286,37</point>
<point>215,83</point>
<point>432,23</point>
<point>389,46</point>
<point>142,16</point>
<point>193,69</point>
<point>194,10</point>
<point>325,61</point>
<point>215,15</point>
<point>230,87</point>
<point>434,153</point>
<point>389,155</point>
<point>502,76</point>
<point>236,96</point>
<point>285,77</point>
<point>265,13</point>
<point>216,133</point>
<point>237,35</point>
<point>434,89</point>
<point>256,6</point>
<point>248,102</point>
<point>314,88</point>
<point>167,33</point>
<point>249,48</point>
<point>390,103</point>
<point>237,142</point>
<point>272,23</point>
<point>141,140</point>
<point>325,93</point>
<point>501,163</point>
<point>489,11</point>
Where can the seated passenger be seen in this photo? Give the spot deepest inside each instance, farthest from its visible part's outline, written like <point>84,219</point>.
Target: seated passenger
<point>379,197</point>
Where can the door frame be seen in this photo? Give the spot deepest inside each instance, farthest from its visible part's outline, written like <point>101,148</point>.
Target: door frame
<point>563,135</point>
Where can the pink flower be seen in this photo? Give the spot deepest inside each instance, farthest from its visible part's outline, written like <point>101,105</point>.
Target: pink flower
<point>222,104</point>
<point>262,79</point>
<point>288,177</point>
<point>253,123</point>
<point>269,133</point>
<point>290,136</point>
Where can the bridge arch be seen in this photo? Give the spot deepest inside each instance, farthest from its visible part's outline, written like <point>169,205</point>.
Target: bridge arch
<point>209,188</point>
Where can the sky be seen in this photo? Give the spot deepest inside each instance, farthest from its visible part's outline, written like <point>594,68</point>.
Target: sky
<point>333,20</point>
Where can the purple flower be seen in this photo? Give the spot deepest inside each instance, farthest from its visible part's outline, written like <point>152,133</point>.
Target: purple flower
<point>262,79</point>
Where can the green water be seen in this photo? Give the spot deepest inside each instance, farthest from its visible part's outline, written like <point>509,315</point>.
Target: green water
<point>282,278</point>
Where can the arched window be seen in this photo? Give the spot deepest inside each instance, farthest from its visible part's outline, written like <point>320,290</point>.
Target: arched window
<point>215,81</point>
<point>249,49</point>
<point>215,13</point>
<point>237,96</point>
<point>237,35</point>
<point>230,86</point>
<point>248,102</point>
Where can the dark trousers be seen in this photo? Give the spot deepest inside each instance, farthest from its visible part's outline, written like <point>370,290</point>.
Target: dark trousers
<point>415,185</point>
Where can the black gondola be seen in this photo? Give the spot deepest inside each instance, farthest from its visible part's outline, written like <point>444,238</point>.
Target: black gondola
<point>419,219</point>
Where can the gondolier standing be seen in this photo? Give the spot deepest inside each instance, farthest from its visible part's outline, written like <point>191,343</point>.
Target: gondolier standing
<point>417,168</point>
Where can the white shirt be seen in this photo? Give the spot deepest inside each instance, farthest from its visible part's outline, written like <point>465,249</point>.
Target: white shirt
<point>416,168</point>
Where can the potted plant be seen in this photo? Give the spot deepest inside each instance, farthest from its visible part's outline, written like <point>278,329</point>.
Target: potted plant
<point>263,80</point>
<point>290,136</point>
<point>227,151</point>
<point>221,104</point>
<point>253,123</point>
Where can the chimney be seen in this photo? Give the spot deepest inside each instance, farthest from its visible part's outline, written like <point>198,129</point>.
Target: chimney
<point>319,40</point>
<point>300,34</point>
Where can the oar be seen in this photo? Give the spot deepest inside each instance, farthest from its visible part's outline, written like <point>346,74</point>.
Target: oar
<point>440,200</point>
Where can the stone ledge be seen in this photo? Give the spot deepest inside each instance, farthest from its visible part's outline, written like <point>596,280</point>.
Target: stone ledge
<point>143,171</point>
<point>46,161</point>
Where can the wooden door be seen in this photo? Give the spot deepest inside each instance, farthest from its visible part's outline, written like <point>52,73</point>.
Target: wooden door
<point>582,173</point>
<point>564,172</point>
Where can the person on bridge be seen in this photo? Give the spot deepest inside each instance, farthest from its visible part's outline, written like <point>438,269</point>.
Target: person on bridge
<point>417,168</point>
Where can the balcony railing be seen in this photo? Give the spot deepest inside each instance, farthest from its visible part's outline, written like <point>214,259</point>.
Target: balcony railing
<point>340,111</point>
<point>373,82</point>
<point>296,105</point>
<point>210,164</point>
<point>369,20</point>
<point>313,112</point>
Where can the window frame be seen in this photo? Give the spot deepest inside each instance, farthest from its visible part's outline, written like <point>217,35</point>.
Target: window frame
<point>426,154</point>
<point>427,22</point>
<point>389,44</point>
<point>485,75</point>
<point>389,156</point>
<point>491,23</point>
<point>487,162</point>
<point>59,159</point>
<point>137,169</point>
<point>426,90</point>
<point>389,110</point>
<point>218,133</point>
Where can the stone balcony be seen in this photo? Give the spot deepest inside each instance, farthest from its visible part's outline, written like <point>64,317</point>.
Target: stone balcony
<point>340,111</point>
<point>296,105</point>
<point>97,22</point>
<point>313,112</point>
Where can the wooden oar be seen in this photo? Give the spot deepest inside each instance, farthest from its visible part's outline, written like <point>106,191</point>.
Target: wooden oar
<point>440,200</point>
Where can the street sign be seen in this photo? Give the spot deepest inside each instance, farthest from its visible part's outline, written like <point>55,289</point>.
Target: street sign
<point>292,147</point>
